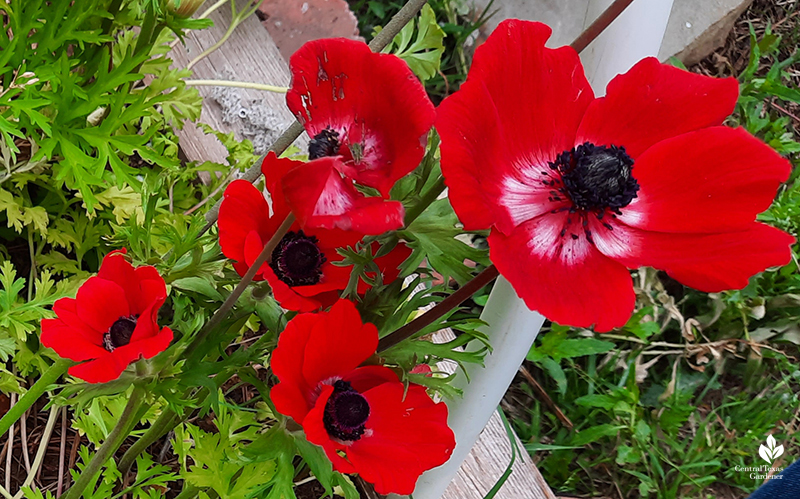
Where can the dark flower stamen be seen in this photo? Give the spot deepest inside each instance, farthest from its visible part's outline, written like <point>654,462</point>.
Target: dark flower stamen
<point>120,333</point>
<point>346,413</point>
<point>297,260</point>
<point>325,143</point>
<point>597,178</point>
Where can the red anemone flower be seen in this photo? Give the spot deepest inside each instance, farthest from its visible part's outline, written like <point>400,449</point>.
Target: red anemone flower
<point>111,322</point>
<point>322,198</point>
<point>578,189</point>
<point>302,273</point>
<point>367,421</point>
<point>368,108</point>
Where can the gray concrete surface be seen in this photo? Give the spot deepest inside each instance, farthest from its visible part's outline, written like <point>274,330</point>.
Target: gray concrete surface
<point>696,27</point>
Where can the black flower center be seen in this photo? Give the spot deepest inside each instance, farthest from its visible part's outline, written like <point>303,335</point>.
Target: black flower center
<point>597,178</point>
<point>325,143</point>
<point>297,260</point>
<point>346,413</point>
<point>120,333</point>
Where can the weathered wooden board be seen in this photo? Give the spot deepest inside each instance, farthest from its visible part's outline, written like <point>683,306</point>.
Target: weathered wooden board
<point>487,462</point>
<point>250,55</point>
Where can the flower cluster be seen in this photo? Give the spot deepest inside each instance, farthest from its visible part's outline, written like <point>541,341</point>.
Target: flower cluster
<point>576,191</point>
<point>368,118</point>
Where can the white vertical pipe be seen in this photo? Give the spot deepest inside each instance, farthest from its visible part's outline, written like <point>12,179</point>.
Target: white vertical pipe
<point>512,328</point>
<point>637,33</point>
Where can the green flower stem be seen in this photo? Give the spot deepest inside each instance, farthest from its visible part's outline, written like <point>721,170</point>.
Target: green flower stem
<point>426,200</point>
<point>118,435</point>
<point>211,9</point>
<point>236,84</point>
<point>26,401</point>
<point>222,311</point>
<point>37,461</point>
<point>236,19</point>
<point>145,38</point>
<point>189,491</point>
<point>165,423</point>
<point>113,9</point>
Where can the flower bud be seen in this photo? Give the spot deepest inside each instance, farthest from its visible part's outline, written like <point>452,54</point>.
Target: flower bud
<point>184,8</point>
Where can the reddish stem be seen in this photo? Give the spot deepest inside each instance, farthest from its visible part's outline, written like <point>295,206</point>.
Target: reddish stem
<point>600,24</point>
<point>485,277</point>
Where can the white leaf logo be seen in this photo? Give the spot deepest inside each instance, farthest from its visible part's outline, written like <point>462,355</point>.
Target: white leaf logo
<point>771,451</point>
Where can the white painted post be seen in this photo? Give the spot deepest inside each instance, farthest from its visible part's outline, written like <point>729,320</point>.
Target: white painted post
<point>637,33</point>
<point>512,328</point>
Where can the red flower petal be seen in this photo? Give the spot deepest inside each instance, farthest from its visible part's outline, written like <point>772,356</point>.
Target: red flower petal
<point>151,289</point>
<point>99,370</point>
<point>243,239</point>
<point>567,280</point>
<point>368,377</point>
<point>142,285</point>
<point>67,310</point>
<point>338,343</point>
<point>244,210</point>
<point>321,198</point>
<point>653,102</point>
<point>519,108</point>
<point>147,347</point>
<point>711,180</point>
<point>67,342</point>
<point>370,99</point>
<point>706,262</point>
<point>407,434</point>
<point>334,278</point>
<point>253,246</point>
<point>109,365</point>
<point>274,169</point>
<point>147,324</point>
<point>292,395</point>
<point>100,303</point>
<point>117,269</point>
<point>287,296</point>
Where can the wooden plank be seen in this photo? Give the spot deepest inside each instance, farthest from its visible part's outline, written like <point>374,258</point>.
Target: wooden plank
<point>248,55</point>
<point>487,462</point>
<point>251,55</point>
